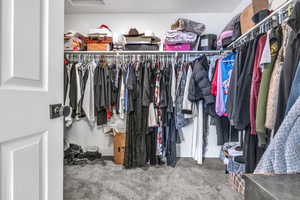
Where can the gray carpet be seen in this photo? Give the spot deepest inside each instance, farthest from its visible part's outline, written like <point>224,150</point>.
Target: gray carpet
<point>188,181</point>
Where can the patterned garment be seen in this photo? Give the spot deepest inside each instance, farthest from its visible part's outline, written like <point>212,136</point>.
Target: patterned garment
<point>180,121</point>
<point>235,167</point>
<point>232,167</point>
<point>283,154</point>
<point>126,90</point>
<point>160,151</point>
<point>179,37</point>
<point>157,86</point>
<point>159,146</point>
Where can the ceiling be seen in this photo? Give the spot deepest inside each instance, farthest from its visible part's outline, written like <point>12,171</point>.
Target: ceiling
<point>150,6</point>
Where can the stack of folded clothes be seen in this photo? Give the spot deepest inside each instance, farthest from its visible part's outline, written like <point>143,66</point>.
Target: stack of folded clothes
<point>119,42</point>
<point>100,39</point>
<point>136,41</point>
<point>183,36</point>
<point>74,41</point>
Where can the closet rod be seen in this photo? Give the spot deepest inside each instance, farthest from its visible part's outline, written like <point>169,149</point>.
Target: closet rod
<point>212,52</point>
<point>278,12</point>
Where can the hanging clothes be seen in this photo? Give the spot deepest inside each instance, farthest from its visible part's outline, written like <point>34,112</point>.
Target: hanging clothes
<point>290,65</point>
<point>252,151</point>
<point>197,134</point>
<point>214,83</point>
<point>255,84</point>
<point>282,155</point>
<point>223,81</point>
<point>131,157</point>
<point>153,97</point>
<point>67,86</point>
<point>295,91</point>
<point>187,105</point>
<point>200,87</point>
<point>241,116</point>
<point>220,105</point>
<point>173,84</point>
<point>274,82</point>
<point>121,95</point>
<point>227,66</point>
<point>88,103</point>
<point>73,90</point>
<point>275,39</point>
<point>171,132</point>
<point>100,81</point>
<point>181,121</point>
<point>233,94</point>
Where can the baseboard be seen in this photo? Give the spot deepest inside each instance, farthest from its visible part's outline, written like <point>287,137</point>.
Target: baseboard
<point>108,158</point>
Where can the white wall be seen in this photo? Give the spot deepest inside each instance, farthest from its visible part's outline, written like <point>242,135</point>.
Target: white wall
<point>273,4</point>
<point>242,6</point>
<point>276,3</point>
<point>80,132</point>
<point>159,23</point>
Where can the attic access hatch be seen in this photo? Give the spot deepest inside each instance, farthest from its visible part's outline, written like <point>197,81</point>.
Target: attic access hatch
<point>154,6</point>
<point>82,3</point>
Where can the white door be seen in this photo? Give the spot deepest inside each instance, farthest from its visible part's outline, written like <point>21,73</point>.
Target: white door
<point>31,78</point>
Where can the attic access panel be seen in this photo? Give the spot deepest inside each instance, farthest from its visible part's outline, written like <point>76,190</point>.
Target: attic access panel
<point>154,6</point>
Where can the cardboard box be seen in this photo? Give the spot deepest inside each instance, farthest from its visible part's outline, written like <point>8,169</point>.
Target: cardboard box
<point>259,5</point>
<point>119,147</point>
<point>246,21</point>
<point>249,12</point>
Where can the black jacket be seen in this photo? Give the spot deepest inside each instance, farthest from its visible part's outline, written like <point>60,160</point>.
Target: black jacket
<point>73,90</point>
<point>239,71</point>
<point>241,115</point>
<point>200,86</point>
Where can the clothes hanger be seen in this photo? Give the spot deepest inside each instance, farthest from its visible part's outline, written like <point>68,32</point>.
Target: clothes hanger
<point>228,61</point>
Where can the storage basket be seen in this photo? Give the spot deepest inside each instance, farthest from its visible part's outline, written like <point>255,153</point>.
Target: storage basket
<point>237,183</point>
<point>95,45</point>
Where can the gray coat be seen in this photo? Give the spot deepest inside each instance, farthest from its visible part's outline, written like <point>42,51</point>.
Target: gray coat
<point>283,154</point>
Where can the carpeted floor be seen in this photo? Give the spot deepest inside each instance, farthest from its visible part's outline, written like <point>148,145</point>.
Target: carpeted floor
<point>188,181</point>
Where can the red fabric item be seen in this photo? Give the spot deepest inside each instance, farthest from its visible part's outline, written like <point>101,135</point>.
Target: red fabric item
<point>108,113</point>
<point>255,84</point>
<point>215,79</point>
<point>104,26</point>
<point>65,61</point>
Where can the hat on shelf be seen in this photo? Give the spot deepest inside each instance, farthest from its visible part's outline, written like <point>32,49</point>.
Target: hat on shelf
<point>102,30</point>
<point>133,32</point>
<point>261,15</point>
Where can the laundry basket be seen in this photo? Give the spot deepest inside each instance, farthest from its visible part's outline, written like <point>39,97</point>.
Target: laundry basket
<point>119,147</point>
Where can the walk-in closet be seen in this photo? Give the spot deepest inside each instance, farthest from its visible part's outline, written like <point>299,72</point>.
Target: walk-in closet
<point>149,100</point>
